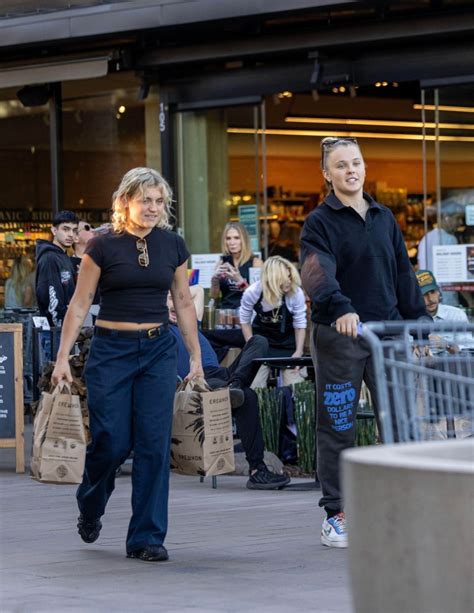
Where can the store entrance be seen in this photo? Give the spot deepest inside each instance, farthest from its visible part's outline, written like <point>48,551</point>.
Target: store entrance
<point>207,163</point>
<point>448,224</point>
<point>417,144</point>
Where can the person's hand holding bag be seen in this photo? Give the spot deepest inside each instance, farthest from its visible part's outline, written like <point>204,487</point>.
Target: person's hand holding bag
<point>61,372</point>
<point>195,370</point>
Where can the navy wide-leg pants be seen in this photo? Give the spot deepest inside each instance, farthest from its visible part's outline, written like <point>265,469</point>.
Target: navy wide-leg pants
<point>131,384</point>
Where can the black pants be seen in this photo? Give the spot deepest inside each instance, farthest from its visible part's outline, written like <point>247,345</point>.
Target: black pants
<point>242,369</point>
<point>341,364</point>
<point>247,415</point>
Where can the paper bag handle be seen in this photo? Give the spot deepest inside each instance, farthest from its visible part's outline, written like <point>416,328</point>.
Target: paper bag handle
<point>195,385</point>
<point>59,388</point>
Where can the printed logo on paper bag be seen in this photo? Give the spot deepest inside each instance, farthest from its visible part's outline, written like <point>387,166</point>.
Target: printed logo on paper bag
<point>61,471</point>
<point>339,403</point>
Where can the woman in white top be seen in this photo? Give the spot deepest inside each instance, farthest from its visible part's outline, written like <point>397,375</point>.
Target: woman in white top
<point>275,308</point>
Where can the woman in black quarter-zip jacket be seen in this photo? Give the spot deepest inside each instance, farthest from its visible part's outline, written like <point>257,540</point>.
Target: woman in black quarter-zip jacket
<point>355,268</point>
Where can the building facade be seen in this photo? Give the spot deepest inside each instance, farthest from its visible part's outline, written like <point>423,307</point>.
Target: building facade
<point>230,100</point>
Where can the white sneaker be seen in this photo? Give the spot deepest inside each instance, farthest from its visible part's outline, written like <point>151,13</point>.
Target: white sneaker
<point>333,531</point>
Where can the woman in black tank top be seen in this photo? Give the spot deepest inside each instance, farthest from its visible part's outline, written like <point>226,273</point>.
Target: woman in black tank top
<point>231,276</point>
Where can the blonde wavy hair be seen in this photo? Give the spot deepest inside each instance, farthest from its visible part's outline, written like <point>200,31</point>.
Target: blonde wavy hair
<point>22,267</point>
<point>276,271</point>
<point>246,252</point>
<point>134,182</point>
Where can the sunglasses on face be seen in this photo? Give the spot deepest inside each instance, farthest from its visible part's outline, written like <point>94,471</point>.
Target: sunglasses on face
<point>87,227</point>
<point>142,247</point>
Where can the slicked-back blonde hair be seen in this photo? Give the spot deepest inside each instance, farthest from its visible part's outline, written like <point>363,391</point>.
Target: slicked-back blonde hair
<point>246,252</point>
<point>328,145</point>
<point>276,271</point>
<point>134,182</point>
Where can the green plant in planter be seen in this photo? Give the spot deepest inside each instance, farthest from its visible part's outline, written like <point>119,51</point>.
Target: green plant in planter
<point>305,419</point>
<point>270,402</point>
<point>366,429</point>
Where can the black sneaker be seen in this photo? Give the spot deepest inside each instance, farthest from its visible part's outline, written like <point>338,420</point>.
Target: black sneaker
<point>237,396</point>
<point>88,530</point>
<point>264,479</point>
<point>150,553</point>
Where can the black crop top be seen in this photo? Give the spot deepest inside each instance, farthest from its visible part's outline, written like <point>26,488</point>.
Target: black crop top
<point>128,291</point>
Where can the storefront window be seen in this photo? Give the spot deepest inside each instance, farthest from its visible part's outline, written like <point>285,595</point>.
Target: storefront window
<point>104,136</point>
<point>448,216</point>
<point>106,131</point>
<point>24,155</point>
<point>25,197</point>
<point>214,180</point>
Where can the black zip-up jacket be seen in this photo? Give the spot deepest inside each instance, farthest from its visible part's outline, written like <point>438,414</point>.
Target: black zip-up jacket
<point>354,266</point>
<point>54,281</point>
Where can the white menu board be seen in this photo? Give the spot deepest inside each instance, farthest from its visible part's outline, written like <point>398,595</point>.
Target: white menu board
<point>206,264</point>
<point>453,263</point>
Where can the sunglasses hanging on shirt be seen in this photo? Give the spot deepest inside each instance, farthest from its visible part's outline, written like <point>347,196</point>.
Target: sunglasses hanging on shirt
<point>142,247</point>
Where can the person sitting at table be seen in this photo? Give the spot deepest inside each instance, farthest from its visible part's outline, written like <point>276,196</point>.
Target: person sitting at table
<point>231,276</point>
<point>277,305</point>
<point>452,342</point>
<point>238,377</point>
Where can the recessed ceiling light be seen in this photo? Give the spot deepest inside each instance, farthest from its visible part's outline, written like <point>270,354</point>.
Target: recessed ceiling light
<point>377,135</point>
<point>388,123</point>
<point>442,107</point>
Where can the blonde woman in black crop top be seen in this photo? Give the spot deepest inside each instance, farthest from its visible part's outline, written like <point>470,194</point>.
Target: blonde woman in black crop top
<point>132,367</point>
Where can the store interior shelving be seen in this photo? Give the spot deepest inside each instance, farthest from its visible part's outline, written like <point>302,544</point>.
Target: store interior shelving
<point>16,239</point>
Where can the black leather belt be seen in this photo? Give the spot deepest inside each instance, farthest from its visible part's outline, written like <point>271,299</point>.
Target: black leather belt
<point>150,333</point>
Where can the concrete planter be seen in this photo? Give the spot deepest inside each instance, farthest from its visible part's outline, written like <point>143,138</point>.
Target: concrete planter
<point>410,511</point>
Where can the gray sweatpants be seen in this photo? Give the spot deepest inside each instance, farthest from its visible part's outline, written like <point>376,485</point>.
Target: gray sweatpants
<point>341,364</point>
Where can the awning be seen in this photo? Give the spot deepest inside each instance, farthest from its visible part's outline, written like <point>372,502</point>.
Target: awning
<point>53,71</point>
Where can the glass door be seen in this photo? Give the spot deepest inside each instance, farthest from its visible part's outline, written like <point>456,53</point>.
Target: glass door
<point>221,175</point>
<point>447,247</point>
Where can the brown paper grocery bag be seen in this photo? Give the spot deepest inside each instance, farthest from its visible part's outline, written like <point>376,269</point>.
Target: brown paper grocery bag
<point>59,438</point>
<point>202,442</point>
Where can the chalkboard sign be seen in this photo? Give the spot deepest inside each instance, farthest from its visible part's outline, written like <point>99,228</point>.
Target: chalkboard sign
<point>11,391</point>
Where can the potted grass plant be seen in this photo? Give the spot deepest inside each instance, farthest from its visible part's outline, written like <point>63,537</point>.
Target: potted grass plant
<point>270,402</point>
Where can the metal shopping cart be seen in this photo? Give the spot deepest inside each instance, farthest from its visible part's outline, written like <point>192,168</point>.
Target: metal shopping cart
<point>425,379</point>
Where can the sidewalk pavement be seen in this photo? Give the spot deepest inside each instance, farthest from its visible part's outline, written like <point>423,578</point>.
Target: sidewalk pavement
<point>231,549</point>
